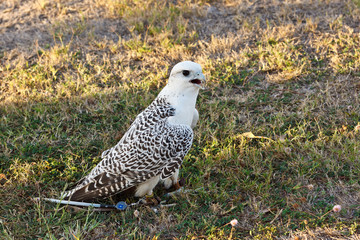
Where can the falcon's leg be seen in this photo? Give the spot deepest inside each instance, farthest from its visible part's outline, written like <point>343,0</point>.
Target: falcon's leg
<point>152,200</point>
<point>172,181</point>
<point>147,187</point>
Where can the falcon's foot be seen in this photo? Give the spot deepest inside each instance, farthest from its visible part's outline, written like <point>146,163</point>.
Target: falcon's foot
<point>176,186</point>
<point>152,200</point>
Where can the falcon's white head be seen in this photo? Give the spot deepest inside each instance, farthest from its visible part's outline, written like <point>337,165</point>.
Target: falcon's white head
<point>186,78</point>
<point>187,74</point>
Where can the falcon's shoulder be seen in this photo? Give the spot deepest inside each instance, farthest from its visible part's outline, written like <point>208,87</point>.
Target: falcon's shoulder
<point>152,117</point>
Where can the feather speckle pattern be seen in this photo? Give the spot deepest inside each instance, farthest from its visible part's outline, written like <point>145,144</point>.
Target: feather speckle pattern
<point>154,146</point>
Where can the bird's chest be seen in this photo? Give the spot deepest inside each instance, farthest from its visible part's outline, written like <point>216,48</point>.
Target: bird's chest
<point>184,118</point>
<point>183,103</point>
<point>184,112</point>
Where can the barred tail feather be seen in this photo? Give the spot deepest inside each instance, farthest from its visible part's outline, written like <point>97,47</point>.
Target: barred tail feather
<point>103,185</point>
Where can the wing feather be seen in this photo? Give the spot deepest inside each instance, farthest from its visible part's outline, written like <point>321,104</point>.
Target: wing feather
<point>151,147</point>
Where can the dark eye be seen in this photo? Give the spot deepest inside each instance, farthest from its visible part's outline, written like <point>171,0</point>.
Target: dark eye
<point>186,73</point>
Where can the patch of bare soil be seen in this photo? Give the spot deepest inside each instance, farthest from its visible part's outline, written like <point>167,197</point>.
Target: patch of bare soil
<point>26,25</point>
<point>222,19</point>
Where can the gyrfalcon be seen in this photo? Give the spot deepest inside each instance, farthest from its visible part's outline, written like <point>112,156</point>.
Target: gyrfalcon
<point>154,146</point>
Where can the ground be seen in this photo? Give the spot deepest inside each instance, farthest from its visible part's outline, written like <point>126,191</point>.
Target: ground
<point>277,144</point>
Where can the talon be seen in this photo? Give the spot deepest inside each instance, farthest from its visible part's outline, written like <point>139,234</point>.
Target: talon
<point>177,186</point>
<point>151,200</point>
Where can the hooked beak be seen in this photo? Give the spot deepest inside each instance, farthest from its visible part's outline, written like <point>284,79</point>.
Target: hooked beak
<point>199,80</point>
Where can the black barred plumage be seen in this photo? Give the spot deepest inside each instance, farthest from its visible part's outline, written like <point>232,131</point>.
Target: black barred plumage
<point>153,148</point>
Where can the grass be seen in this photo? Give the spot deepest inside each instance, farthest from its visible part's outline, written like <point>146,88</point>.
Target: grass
<point>288,72</point>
